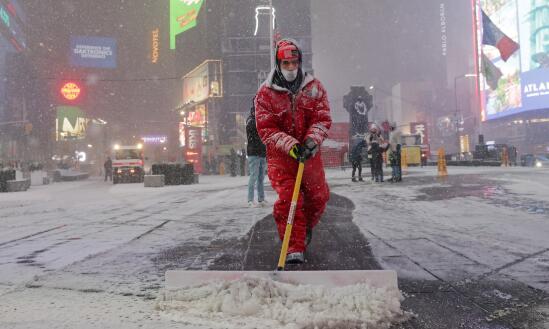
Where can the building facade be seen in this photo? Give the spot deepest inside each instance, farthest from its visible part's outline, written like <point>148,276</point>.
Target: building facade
<point>20,120</point>
<point>235,35</point>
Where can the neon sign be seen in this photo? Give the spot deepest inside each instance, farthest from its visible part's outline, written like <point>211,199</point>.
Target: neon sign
<point>155,45</point>
<point>154,139</point>
<point>70,91</point>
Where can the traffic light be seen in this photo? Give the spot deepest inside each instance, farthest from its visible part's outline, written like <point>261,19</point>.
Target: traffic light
<point>28,128</point>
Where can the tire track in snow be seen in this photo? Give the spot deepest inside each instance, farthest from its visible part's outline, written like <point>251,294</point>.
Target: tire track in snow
<point>33,235</point>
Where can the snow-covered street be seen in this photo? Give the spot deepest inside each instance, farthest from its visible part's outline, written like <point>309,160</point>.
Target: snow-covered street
<point>92,255</point>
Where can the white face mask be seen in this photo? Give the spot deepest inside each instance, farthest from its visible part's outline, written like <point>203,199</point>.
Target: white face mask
<point>289,75</point>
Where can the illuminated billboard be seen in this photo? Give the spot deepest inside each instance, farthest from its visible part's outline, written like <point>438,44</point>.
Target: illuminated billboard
<point>513,50</point>
<point>183,14</point>
<point>71,123</point>
<point>94,52</point>
<point>203,82</point>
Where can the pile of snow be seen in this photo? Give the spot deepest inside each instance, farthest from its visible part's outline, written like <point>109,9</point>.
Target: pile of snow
<point>253,302</point>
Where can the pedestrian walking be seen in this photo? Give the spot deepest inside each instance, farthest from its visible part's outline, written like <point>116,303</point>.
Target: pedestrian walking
<point>293,119</point>
<point>395,137</point>
<point>376,147</point>
<point>108,169</point>
<point>358,144</point>
<point>257,163</point>
<point>242,162</point>
<point>394,160</point>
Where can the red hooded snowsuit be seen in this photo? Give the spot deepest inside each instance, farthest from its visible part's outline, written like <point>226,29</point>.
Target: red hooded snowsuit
<point>283,120</point>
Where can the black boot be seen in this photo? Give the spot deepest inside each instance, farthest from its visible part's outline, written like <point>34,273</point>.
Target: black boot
<point>360,179</point>
<point>353,179</point>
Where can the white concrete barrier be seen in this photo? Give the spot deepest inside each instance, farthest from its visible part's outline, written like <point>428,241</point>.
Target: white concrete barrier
<point>154,180</point>
<point>37,177</point>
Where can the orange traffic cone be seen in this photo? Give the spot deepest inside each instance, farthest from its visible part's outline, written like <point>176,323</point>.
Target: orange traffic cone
<point>442,170</point>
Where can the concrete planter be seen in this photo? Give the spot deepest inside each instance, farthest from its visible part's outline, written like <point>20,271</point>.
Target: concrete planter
<point>154,181</point>
<point>18,185</point>
<point>37,177</point>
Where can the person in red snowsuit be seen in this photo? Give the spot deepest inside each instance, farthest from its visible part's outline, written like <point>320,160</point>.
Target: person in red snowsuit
<point>293,119</point>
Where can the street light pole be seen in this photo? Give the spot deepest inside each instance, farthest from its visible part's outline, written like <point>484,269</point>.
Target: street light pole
<point>271,28</point>
<point>373,90</point>
<point>457,111</point>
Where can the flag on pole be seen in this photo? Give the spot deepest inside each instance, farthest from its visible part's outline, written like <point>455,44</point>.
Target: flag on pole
<point>493,36</point>
<point>491,72</point>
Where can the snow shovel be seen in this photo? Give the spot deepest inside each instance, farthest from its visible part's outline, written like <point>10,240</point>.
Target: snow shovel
<point>178,279</point>
<point>291,215</point>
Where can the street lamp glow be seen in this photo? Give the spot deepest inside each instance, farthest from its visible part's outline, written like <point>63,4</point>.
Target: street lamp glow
<point>371,87</point>
<point>90,146</point>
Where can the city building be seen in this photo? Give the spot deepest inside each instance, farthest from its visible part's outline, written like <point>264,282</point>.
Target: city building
<point>229,49</point>
<point>19,119</point>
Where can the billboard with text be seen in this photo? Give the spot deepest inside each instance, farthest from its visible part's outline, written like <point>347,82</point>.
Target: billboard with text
<point>96,52</point>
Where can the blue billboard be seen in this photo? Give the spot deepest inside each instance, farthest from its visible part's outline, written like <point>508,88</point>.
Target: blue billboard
<point>514,55</point>
<point>94,52</point>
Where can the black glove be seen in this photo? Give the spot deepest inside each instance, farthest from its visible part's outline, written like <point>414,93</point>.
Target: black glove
<point>310,148</point>
<point>297,152</point>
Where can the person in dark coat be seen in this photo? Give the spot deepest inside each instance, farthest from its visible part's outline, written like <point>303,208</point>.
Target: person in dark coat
<point>394,159</point>
<point>108,169</point>
<point>376,148</point>
<point>357,145</point>
<point>257,164</point>
<point>243,162</point>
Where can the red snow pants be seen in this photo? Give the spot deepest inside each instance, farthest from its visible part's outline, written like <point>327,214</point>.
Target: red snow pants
<point>313,196</point>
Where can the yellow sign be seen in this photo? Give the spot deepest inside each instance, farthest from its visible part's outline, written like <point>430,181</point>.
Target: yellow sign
<point>70,91</point>
<point>413,154</point>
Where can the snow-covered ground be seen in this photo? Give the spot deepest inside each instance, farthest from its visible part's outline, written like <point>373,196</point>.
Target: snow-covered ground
<point>480,221</point>
<point>82,254</point>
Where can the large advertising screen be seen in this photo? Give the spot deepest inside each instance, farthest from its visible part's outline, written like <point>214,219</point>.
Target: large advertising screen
<point>202,82</point>
<point>513,37</point>
<point>94,52</point>
<point>71,123</point>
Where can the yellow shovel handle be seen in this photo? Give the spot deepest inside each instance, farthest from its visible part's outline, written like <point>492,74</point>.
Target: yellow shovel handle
<point>290,222</point>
